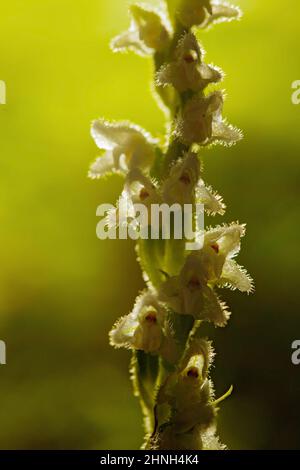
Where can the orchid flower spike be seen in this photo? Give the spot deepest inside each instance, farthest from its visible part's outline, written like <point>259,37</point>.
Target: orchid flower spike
<point>170,358</point>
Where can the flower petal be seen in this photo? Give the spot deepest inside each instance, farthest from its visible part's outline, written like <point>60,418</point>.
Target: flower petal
<point>211,441</point>
<point>129,40</point>
<point>214,309</point>
<point>151,26</point>
<point>102,166</point>
<point>223,11</point>
<point>227,237</point>
<point>122,334</point>
<point>213,202</point>
<point>148,32</point>
<point>193,12</point>
<point>236,277</point>
<point>108,135</point>
<point>225,133</point>
<point>123,214</point>
<point>131,146</point>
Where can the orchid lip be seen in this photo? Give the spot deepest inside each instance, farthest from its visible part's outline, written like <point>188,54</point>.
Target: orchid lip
<point>151,317</point>
<point>193,372</point>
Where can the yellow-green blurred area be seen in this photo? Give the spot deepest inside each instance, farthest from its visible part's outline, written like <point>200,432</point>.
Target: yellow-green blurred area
<point>61,289</point>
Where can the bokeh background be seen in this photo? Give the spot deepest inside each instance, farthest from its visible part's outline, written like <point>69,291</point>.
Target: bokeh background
<point>61,288</point>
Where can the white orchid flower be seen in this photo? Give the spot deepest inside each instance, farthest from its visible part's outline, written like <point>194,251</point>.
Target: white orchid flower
<point>188,71</point>
<point>127,146</point>
<point>148,32</point>
<point>145,328</point>
<point>201,122</point>
<point>181,183</point>
<point>192,291</point>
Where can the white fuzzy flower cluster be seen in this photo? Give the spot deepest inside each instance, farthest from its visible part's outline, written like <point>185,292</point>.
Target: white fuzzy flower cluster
<point>186,409</point>
<point>170,360</point>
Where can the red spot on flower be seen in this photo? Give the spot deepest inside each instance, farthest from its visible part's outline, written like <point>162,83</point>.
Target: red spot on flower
<point>185,178</point>
<point>193,372</point>
<point>215,247</point>
<point>151,317</point>
<point>190,57</point>
<point>144,194</point>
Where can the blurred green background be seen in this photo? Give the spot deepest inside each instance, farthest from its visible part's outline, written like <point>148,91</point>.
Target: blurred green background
<point>61,288</point>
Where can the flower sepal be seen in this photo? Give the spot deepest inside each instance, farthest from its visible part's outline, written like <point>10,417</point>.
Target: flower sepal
<point>148,32</point>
